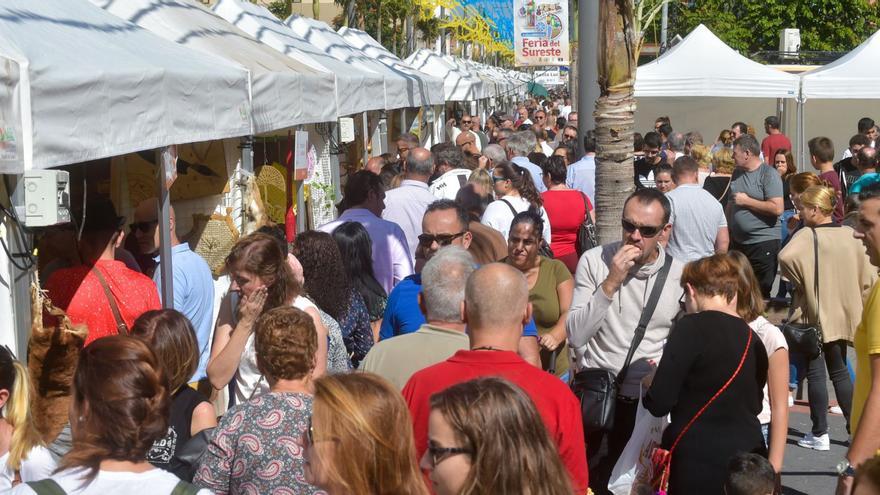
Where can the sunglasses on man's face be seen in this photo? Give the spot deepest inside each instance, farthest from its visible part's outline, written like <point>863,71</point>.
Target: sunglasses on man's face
<point>465,121</point>
<point>647,231</point>
<point>570,136</point>
<point>143,226</point>
<point>427,240</point>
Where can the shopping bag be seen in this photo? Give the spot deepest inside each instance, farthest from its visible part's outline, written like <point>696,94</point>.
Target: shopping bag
<point>634,469</point>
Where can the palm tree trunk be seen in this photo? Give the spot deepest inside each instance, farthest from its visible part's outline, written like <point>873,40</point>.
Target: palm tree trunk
<point>379,22</point>
<point>614,115</point>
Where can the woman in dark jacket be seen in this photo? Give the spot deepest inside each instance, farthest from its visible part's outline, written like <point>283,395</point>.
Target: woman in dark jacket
<point>710,347</point>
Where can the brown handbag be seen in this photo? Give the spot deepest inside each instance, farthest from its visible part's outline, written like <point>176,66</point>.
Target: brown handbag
<point>121,327</point>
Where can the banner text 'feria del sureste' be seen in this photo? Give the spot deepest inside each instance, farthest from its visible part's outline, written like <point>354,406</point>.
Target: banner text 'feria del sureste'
<point>540,32</point>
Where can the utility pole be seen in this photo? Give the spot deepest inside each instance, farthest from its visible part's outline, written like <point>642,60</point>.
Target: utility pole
<point>587,66</point>
<point>664,23</point>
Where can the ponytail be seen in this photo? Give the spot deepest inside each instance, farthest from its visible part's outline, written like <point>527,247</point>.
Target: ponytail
<point>527,189</point>
<point>17,413</point>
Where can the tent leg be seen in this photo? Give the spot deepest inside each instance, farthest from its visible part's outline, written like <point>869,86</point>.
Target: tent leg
<point>247,153</point>
<point>165,269</point>
<point>366,139</point>
<point>403,127</point>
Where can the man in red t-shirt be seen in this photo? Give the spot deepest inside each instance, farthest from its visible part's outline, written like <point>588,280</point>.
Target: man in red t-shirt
<point>79,291</point>
<point>495,309</point>
<point>775,139</point>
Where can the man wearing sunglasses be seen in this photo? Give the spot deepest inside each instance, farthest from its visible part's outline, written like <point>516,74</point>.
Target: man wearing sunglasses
<point>465,125</point>
<point>612,286</point>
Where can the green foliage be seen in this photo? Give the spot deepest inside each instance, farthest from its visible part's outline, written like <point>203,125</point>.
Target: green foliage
<point>754,25</point>
<point>280,8</point>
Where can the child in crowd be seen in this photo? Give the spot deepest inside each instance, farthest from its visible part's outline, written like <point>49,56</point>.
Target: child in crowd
<point>749,474</point>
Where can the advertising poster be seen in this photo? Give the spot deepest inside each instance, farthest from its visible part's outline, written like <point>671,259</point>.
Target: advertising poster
<point>540,32</point>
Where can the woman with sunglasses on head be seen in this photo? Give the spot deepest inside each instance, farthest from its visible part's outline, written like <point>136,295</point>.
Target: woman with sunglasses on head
<point>485,437</point>
<point>359,440</point>
<point>261,280</point>
<point>515,192</point>
<point>710,380</point>
<point>257,448</point>
<point>827,296</point>
<point>23,456</point>
<point>120,407</point>
<point>550,289</point>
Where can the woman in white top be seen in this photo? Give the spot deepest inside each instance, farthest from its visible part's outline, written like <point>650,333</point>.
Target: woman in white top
<point>774,413</point>
<point>120,407</point>
<point>23,457</point>
<point>516,193</point>
<point>261,280</point>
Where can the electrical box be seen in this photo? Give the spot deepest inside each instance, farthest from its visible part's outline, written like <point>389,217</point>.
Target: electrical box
<point>790,42</point>
<point>346,130</point>
<point>42,198</point>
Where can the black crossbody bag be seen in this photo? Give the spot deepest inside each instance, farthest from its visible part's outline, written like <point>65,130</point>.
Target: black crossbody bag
<point>597,388</point>
<point>802,337</point>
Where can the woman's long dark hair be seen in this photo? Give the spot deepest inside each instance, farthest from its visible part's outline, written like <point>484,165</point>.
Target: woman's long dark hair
<point>356,249</point>
<point>326,280</point>
<point>522,181</point>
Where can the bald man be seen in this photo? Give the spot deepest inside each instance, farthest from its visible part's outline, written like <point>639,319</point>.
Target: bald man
<point>192,283</point>
<point>375,164</point>
<point>495,308</point>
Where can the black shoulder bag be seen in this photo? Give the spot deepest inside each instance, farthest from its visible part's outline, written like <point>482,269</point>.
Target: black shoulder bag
<point>597,388</point>
<point>802,337</point>
<point>586,235</point>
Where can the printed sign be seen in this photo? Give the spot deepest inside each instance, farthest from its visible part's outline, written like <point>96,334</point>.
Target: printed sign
<point>540,32</point>
<point>548,78</point>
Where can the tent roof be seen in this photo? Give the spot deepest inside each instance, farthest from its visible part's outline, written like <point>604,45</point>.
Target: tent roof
<point>82,84</point>
<point>285,92</point>
<point>431,88</point>
<point>402,89</point>
<point>459,82</point>
<point>703,65</point>
<point>855,75</point>
<point>356,90</point>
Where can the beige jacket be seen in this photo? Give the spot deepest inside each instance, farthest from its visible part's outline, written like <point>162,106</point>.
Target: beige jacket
<point>845,278</point>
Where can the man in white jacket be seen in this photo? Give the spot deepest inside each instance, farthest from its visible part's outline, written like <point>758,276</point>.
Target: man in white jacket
<point>612,286</point>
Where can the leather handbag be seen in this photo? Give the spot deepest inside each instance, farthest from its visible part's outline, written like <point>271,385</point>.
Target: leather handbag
<point>597,388</point>
<point>803,338</point>
<point>586,234</point>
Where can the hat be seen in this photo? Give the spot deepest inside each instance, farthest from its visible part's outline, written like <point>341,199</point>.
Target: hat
<point>100,215</point>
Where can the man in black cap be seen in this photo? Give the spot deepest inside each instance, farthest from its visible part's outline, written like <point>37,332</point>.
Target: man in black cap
<point>101,293</point>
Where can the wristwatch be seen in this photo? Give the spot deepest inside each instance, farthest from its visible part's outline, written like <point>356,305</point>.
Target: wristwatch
<point>845,469</point>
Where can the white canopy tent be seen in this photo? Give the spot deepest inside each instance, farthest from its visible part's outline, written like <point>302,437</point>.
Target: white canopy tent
<point>431,86</point>
<point>82,84</point>
<point>356,90</point>
<point>285,93</point>
<point>704,85</point>
<point>459,83</point>
<point>403,88</point>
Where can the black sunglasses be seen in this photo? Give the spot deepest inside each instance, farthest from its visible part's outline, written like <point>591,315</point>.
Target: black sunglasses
<point>644,230</point>
<point>681,302</point>
<point>143,226</point>
<point>441,239</point>
<point>439,454</point>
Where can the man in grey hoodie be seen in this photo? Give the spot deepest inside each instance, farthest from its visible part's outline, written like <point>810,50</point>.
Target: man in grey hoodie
<point>612,286</point>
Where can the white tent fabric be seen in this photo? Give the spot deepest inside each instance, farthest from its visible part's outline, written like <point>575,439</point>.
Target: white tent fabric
<point>285,93</point>
<point>431,87</point>
<point>855,75</point>
<point>356,90</point>
<point>703,65</point>
<point>402,89</point>
<point>459,83</point>
<point>81,84</point>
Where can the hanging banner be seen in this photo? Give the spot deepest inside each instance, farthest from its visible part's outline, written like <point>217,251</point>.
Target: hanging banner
<point>540,32</point>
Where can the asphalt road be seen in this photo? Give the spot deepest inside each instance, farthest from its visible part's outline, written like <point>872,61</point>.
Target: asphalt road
<point>809,471</point>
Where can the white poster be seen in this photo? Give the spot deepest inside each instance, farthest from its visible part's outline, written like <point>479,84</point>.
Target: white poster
<point>540,32</point>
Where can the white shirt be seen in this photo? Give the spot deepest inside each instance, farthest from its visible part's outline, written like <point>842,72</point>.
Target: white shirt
<point>406,206</point>
<point>773,340</point>
<point>546,149</point>
<point>498,215</point>
<point>392,261</point>
<point>447,185</point>
<point>38,465</point>
<point>152,482</point>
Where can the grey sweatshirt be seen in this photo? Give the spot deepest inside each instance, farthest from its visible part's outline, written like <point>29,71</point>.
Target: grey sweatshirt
<point>600,329</point>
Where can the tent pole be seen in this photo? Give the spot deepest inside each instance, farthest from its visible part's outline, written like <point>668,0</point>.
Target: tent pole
<point>403,126</point>
<point>301,225</point>
<point>165,269</point>
<point>366,139</point>
<point>247,153</point>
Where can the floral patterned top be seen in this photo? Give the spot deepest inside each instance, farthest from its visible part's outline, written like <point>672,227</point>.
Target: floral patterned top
<point>258,448</point>
<point>356,330</point>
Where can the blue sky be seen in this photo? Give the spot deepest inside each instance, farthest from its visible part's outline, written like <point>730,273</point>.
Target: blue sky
<point>500,12</point>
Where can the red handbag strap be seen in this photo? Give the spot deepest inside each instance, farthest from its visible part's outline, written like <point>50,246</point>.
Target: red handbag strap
<point>719,392</point>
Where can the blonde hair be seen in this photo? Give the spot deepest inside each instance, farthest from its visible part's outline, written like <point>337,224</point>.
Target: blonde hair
<point>822,197</point>
<point>722,161</point>
<point>798,183</point>
<point>17,411</point>
<point>376,455</point>
<point>481,177</point>
<point>700,154</point>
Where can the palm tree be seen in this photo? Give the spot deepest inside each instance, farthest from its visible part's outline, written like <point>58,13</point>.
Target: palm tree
<point>620,41</point>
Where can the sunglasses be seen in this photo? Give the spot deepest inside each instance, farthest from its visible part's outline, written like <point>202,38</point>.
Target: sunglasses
<point>681,303</point>
<point>498,179</point>
<point>569,136</point>
<point>143,226</point>
<point>465,121</point>
<point>427,240</point>
<point>645,230</point>
<point>438,454</point>
<point>310,436</point>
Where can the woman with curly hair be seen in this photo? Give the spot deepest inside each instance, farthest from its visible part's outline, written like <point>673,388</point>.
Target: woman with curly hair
<point>327,284</point>
<point>516,193</point>
<point>356,250</point>
<point>485,436</point>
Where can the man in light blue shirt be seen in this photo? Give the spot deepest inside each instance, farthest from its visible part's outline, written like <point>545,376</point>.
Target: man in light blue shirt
<point>406,205</point>
<point>582,173</point>
<point>518,146</point>
<point>193,284</point>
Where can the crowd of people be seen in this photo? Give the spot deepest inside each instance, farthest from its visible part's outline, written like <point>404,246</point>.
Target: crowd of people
<point>448,332</point>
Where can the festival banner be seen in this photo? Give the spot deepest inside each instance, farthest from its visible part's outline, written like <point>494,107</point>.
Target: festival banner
<point>540,32</point>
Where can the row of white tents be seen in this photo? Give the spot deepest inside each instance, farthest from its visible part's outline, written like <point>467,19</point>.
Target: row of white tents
<point>701,81</point>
